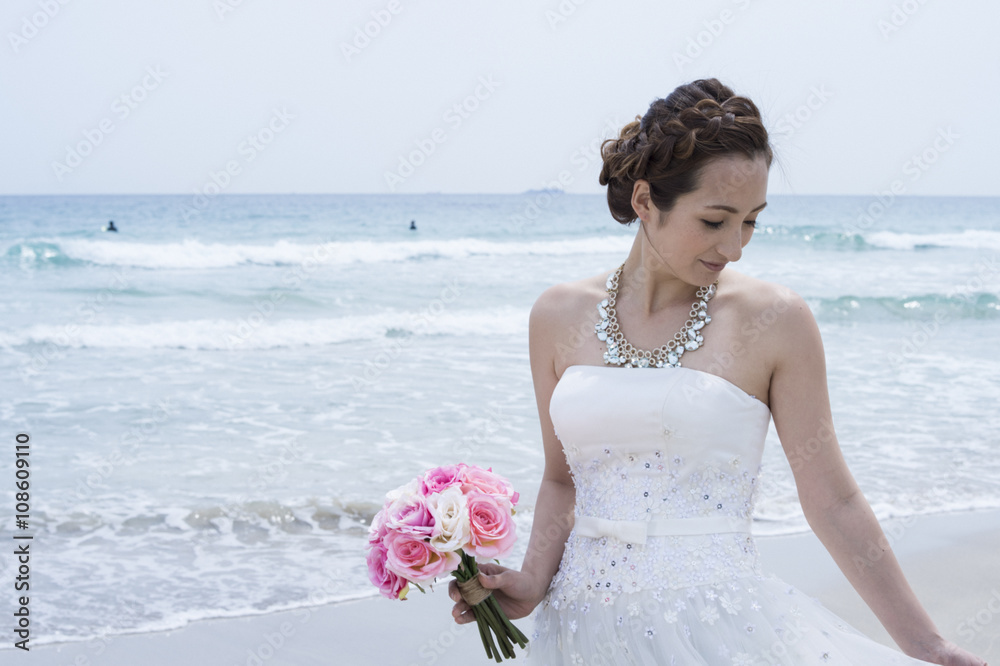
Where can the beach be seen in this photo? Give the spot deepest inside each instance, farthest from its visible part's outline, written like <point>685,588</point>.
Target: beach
<point>949,560</point>
<point>262,264</point>
<point>217,406</point>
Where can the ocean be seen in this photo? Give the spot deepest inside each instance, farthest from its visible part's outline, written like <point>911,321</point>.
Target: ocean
<point>219,395</point>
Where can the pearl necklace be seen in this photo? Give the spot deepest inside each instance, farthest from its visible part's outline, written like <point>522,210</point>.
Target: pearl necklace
<point>621,352</point>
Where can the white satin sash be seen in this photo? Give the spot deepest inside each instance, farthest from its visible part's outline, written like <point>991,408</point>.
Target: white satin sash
<point>637,531</point>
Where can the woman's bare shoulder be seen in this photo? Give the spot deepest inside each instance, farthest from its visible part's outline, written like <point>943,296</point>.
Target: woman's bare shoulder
<point>758,296</point>
<point>558,317</point>
<point>564,302</point>
<point>774,309</point>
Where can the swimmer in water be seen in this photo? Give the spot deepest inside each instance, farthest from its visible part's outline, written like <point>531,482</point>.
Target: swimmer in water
<point>111,226</point>
<point>413,224</point>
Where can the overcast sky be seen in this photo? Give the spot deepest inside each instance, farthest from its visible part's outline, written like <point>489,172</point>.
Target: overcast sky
<point>400,96</point>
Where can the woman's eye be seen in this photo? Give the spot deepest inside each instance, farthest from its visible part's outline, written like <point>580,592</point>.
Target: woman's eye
<point>716,225</point>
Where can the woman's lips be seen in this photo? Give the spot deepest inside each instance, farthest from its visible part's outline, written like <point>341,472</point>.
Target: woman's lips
<point>713,267</point>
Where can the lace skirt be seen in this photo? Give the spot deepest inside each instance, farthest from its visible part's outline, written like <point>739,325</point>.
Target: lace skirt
<point>687,600</point>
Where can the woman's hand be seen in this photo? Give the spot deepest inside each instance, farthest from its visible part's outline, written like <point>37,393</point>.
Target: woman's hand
<point>517,592</point>
<point>949,654</point>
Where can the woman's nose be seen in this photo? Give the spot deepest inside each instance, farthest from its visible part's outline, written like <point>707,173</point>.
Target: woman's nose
<point>732,246</point>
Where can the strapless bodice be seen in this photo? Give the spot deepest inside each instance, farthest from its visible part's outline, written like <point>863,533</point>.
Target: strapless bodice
<point>661,566</point>
<point>659,443</point>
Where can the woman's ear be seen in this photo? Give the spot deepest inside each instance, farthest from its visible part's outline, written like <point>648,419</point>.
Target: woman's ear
<point>641,203</point>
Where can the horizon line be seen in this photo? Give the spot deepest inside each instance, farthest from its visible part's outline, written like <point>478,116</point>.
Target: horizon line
<point>405,194</point>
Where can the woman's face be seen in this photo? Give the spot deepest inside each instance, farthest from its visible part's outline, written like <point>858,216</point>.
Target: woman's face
<point>709,227</point>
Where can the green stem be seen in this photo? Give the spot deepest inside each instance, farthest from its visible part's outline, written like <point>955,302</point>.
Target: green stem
<point>490,617</point>
<point>482,635</point>
<point>512,630</point>
<point>480,618</point>
<point>463,574</point>
<point>498,629</point>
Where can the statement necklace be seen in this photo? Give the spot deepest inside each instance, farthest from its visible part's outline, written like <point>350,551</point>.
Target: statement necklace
<point>621,352</point>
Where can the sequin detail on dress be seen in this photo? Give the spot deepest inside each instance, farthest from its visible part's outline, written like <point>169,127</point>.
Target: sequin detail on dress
<point>681,448</point>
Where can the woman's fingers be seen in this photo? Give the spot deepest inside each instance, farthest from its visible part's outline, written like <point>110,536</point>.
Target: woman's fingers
<point>491,568</point>
<point>462,613</point>
<point>460,606</point>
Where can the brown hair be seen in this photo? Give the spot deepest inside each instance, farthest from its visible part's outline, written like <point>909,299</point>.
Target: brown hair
<point>671,144</point>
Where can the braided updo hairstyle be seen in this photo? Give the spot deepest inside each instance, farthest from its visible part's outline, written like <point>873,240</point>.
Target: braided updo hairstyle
<point>676,138</point>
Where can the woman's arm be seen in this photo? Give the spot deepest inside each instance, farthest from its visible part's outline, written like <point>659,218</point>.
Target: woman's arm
<point>831,500</point>
<point>520,591</point>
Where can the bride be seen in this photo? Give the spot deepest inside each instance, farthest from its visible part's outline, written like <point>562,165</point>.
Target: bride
<point>640,550</point>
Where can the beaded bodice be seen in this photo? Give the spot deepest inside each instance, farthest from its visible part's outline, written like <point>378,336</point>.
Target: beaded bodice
<point>660,566</point>
<point>670,445</point>
<point>646,443</point>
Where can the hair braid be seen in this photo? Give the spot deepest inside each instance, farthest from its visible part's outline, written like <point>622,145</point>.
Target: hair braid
<point>671,143</point>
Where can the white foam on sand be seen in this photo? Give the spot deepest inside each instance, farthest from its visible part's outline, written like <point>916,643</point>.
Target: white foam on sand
<point>948,560</point>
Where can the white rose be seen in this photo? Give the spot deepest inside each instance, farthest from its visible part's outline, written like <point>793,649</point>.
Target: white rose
<point>404,492</point>
<point>451,517</point>
<point>401,501</point>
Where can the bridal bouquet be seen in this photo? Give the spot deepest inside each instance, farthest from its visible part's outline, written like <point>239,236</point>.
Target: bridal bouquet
<point>439,523</point>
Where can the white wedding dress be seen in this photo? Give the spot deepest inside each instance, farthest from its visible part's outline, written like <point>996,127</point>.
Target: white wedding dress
<point>660,567</point>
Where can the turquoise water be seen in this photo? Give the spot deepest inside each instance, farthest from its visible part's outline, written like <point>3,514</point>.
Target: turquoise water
<point>227,387</point>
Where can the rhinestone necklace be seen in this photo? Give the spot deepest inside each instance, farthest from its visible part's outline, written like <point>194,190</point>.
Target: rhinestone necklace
<point>621,352</point>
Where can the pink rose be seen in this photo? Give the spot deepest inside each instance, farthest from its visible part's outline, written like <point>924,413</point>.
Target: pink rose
<point>388,583</point>
<point>410,514</point>
<point>413,558</point>
<point>377,530</point>
<point>492,528</point>
<point>439,478</point>
<point>483,480</point>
